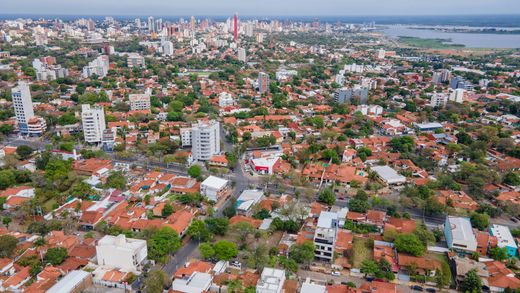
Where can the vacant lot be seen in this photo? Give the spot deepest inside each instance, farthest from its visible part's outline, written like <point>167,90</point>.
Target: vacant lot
<point>362,248</point>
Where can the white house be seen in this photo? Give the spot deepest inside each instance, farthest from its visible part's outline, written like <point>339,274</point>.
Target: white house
<point>127,254</point>
<point>248,199</point>
<point>197,283</point>
<point>271,281</point>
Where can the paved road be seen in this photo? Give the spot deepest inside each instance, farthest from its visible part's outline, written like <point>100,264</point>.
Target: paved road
<point>181,257</point>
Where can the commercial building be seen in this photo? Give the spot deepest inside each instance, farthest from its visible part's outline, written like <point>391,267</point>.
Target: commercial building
<point>247,199</point>
<point>271,281</point>
<point>325,236</point>
<point>74,282</point>
<point>347,95</point>
<point>459,234</point>
<point>204,138</point>
<point>263,82</point>
<point>214,188</point>
<point>388,175</point>
<point>123,253</point>
<point>93,121</point>
<point>139,101</point>
<point>505,239</point>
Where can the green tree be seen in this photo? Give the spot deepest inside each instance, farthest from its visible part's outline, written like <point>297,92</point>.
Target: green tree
<point>225,250</point>
<point>155,281</point>
<point>409,243</point>
<point>302,253</point>
<point>7,245</point>
<point>369,267</point>
<point>167,210</point>
<point>359,206</point>
<point>7,179</point>
<point>217,226</point>
<point>195,171</point>
<point>24,151</point>
<point>199,231</point>
<point>327,197</point>
<point>512,179</point>
<point>498,253</point>
<point>6,221</point>
<point>116,180</point>
<point>162,243</point>
<point>479,221</point>
<point>471,283</point>
<point>206,250</point>
<point>56,255</point>
<point>242,230</point>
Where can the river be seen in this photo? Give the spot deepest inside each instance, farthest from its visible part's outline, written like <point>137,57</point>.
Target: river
<point>470,40</point>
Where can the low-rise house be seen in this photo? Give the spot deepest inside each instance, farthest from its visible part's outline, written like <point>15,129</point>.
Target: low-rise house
<point>457,199</point>
<point>73,282</point>
<point>271,281</point>
<point>425,266</point>
<point>504,239</point>
<point>388,175</point>
<point>196,283</point>
<point>500,277</point>
<point>247,199</point>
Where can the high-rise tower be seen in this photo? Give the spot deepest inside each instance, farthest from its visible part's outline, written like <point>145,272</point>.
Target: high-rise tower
<point>235,27</point>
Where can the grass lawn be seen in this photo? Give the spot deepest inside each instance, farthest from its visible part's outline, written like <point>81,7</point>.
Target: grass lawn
<point>49,205</point>
<point>362,248</point>
<point>428,43</point>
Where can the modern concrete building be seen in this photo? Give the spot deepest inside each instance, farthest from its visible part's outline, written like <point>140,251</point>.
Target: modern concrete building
<point>28,123</point>
<point>135,60</point>
<point>505,239</point>
<point>93,120</point>
<point>139,101</point>
<point>271,281</point>
<point>438,100</point>
<point>167,48</point>
<point>198,282</point>
<point>123,253</point>
<point>74,282</point>
<point>98,66</point>
<point>325,236</point>
<point>242,55</point>
<point>347,95</point>
<point>214,188</point>
<point>459,234</point>
<point>263,82</point>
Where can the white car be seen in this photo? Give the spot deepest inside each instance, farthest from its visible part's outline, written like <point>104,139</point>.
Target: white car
<point>334,273</point>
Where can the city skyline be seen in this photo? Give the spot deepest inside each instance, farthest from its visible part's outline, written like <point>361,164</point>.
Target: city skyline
<point>262,8</point>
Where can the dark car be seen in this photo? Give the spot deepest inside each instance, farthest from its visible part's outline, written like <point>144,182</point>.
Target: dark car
<point>431,290</point>
<point>370,279</point>
<point>417,288</point>
<point>514,220</point>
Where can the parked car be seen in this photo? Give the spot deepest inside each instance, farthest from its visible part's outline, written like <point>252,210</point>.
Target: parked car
<point>417,288</point>
<point>334,273</point>
<point>431,290</point>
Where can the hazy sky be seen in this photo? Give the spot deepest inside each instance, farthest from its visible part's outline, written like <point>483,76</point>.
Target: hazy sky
<point>261,7</point>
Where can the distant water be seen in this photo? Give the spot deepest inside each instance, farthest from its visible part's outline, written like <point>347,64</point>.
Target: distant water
<point>470,40</point>
<point>512,20</point>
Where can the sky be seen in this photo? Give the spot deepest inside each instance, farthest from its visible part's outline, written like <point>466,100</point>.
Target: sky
<point>259,7</point>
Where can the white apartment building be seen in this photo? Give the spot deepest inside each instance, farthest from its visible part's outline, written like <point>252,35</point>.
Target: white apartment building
<point>242,55</point>
<point>98,66</point>
<point>457,95</point>
<point>23,106</point>
<point>167,48</point>
<point>225,99</point>
<point>123,253</point>
<point>139,101</point>
<point>93,120</point>
<point>439,100</point>
<point>271,281</point>
<point>135,60</point>
<point>204,139</point>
